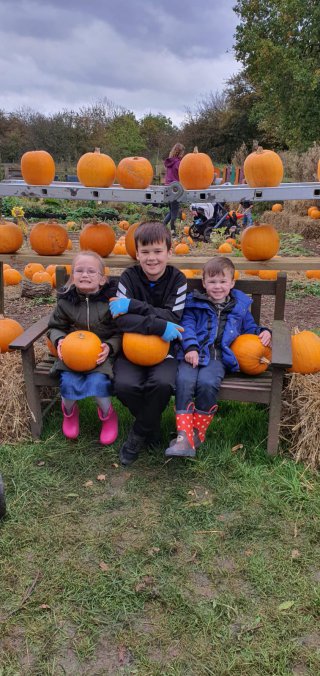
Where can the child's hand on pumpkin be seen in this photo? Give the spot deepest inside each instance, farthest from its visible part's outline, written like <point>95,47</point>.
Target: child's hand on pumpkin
<point>103,354</point>
<point>265,337</point>
<point>192,358</point>
<point>59,348</point>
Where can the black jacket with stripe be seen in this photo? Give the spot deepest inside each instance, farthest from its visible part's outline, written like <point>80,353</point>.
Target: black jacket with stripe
<point>152,304</point>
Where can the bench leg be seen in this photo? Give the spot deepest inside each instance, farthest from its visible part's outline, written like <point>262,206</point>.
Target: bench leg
<point>275,411</point>
<point>32,392</point>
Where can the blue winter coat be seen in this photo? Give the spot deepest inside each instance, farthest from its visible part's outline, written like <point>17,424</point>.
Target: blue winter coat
<point>201,323</point>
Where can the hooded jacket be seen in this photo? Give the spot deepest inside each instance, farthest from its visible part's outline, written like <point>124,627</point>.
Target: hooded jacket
<point>90,312</point>
<point>172,166</point>
<point>205,326</point>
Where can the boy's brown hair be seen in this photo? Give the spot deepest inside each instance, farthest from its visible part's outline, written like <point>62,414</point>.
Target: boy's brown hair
<point>152,232</point>
<point>217,265</point>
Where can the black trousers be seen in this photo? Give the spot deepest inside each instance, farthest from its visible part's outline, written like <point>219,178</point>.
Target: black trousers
<point>145,390</point>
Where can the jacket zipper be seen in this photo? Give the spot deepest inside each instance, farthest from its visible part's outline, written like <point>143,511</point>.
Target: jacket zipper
<point>88,313</point>
<point>214,347</point>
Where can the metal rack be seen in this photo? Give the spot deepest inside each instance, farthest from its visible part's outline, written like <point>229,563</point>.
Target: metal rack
<point>155,194</point>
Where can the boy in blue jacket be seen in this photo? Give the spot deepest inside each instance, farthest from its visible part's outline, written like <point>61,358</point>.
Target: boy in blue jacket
<point>211,322</point>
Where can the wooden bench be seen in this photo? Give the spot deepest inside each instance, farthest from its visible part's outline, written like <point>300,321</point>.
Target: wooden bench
<point>263,389</point>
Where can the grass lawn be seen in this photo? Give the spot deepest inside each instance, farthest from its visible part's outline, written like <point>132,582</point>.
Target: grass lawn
<point>164,568</point>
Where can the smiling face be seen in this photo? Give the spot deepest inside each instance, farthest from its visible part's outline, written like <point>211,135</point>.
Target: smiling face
<point>153,259</point>
<point>219,286</point>
<point>87,274</point>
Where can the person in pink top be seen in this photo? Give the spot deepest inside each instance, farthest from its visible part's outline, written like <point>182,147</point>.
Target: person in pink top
<point>172,174</point>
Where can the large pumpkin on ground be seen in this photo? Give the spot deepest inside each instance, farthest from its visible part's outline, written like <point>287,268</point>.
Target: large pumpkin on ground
<point>263,169</point>
<point>80,350</point>
<point>144,350</point>
<point>37,167</point>
<point>96,169</point>
<point>260,242</point>
<point>253,357</point>
<point>305,352</point>
<point>11,237</point>
<point>98,237</point>
<point>48,239</point>
<point>31,268</point>
<point>9,330</point>
<point>11,277</point>
<point>134,172</point>
<point>196,171</point>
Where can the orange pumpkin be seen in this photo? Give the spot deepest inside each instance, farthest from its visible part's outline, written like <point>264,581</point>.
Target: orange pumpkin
<point>144,350</point>
<point>252,272</point>
<point>80,350</point>
<point>268,274</point>
<point>311,209</point>
<point>48,239</point>
<point>31,268</point>
<point>11,277</point>
<point>11,237</point>
<point>196,171</point>
<point>236,274</point>
<point>69,245</point>
<point>124,225</point>
<point>37,167</point>
<point>6,266</point>
<point>9,330</point>
<point>96,170</point>
<point>315,214</point>
<point>231,241</point>
<point>305,352</point>
<point>51,348</point>
<point>183,215</point>
<point>98,237</point>
<point>313,274</point>
<point>134,172</point>
<point>129,240</point>
<point>42,278</point>
<point>263,169</point>
<point>188,273</point>
<point>50,268</point>
<point>181,249</point>
<point>119,249</point>
<point>186,229</point>
<point>253,357</point>
<point>225,248</point>
<point>260,242</point>
<point>276,208</point>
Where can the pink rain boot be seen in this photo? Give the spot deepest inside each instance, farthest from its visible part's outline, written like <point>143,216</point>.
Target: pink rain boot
<point>70,425</point>
<point>109,429</point>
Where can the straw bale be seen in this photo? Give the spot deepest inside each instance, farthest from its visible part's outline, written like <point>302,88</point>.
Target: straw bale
<point>311,229</point>
<point>31,290</point>
<point>299,207</point>
<point>14,412</point>
<point>300,419</point>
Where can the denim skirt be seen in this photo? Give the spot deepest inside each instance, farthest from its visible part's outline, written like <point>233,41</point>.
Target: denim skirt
<point>76,386</point>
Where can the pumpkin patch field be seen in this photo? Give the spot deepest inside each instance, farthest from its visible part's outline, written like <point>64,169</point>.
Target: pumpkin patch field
<point>205,566</point>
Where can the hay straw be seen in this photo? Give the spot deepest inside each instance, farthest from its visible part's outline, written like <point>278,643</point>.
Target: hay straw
<point>300,419</point>
<point>14,412</point>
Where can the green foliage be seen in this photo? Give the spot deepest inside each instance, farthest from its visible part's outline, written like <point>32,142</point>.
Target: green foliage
<point>278,44</point>
<point>60,209</point>
<point>297,289</point>
<point>291,245</point>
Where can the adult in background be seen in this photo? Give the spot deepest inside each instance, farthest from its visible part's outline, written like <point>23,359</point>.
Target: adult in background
<point>172,174</point>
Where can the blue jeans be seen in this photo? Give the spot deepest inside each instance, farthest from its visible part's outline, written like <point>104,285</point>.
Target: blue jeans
<point>173,214</point>
<point>200,384</point>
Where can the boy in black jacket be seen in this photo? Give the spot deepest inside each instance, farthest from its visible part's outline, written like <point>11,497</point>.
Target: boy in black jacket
<point>150,300</point>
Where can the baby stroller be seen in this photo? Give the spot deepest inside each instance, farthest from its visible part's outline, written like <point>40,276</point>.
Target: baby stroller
<point>2,499</point>
<point>211,216</point>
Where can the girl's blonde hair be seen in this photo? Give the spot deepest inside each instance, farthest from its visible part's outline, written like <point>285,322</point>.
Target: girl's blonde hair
<point>93,254</point>
<point>177,150</point>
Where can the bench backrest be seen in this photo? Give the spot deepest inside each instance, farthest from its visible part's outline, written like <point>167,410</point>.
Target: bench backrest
<point>256,288</point>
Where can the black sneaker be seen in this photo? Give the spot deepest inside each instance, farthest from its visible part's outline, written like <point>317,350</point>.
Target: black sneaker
<point>129,451</point>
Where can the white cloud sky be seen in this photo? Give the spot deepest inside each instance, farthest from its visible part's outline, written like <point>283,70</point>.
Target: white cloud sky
<point>145,56</point>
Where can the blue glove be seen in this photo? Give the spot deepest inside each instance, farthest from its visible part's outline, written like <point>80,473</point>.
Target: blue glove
<point>119,306</point>
<point>172,332</point>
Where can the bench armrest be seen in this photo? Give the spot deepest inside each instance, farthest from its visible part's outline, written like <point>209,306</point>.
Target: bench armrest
<point>281,344</point>
<point>30,335</point>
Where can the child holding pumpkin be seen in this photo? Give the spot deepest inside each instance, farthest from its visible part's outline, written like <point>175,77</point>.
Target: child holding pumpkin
<point>211,322</point>
<point>83,303</point>
<point>150,300</point>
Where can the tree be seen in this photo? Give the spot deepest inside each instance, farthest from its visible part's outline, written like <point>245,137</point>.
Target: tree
<point>159,134</point>
<point>123,137</point>
<point>278,43</point>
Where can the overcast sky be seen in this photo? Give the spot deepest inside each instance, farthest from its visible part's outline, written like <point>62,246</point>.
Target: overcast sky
<point>146,55</point>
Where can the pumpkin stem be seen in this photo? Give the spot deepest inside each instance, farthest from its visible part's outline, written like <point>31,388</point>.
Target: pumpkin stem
<point>259,150</point>
<point>195,150</point>
<point>264,360</point>
<point>97,150</point>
